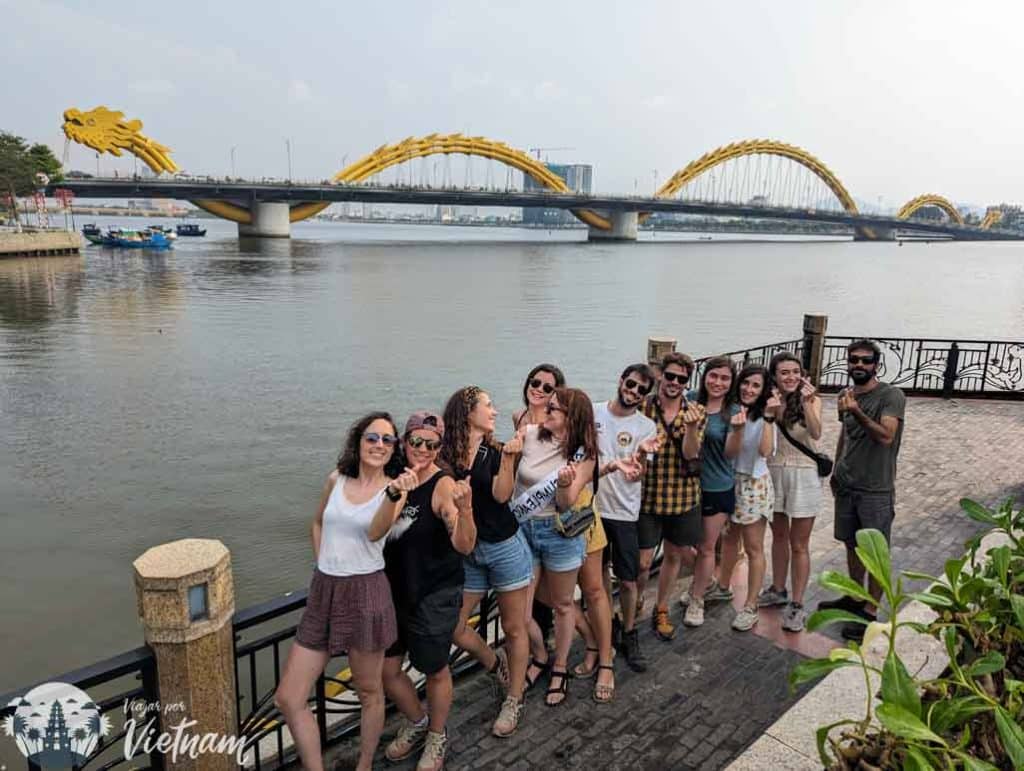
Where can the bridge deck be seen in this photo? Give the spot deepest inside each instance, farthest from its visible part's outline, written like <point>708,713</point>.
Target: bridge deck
<point>711,692</point>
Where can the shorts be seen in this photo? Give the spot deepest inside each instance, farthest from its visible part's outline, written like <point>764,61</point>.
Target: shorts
<point>678,529</point>
<point>503,566</point>
<point>721,502</point>
<point>755,499</point>
<point>623,550</point>
<point>552,550</point>
<point>425,631</point>
<point>798,491</point>
<point>595,536</point>
<point>858,511</point>
<point>346,613</point>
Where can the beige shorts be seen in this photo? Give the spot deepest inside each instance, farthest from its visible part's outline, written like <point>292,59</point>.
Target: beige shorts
<point>755,499</point>
<point>798,491</point>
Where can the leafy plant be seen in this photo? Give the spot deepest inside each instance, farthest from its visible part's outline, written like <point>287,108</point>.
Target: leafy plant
<point>969,717</point>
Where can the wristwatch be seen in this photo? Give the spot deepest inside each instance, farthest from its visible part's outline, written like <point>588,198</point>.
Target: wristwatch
<point>392,496</point>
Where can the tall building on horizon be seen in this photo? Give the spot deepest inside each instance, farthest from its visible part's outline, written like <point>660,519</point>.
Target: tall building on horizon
<point>579,178</point>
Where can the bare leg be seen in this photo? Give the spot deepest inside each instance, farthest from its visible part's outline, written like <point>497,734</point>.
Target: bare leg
<point>705,567</point>
<point>753,545</point>
<point>560,586</point>
<point>799,547</point>
<point>730,554</point>
<point>468,638</point>
<point>513,607</point>
<point>301,671</point>
<point>400,690</point>
<point>367,669</point>
<point>672,560</point>
<point>780,550</point>
<point>439,698</point>
<point>644,571</point>
<point>591,580</point>
<point>538,646</point>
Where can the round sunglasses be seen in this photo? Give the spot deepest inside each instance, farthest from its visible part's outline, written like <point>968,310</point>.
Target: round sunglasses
<point>372,437</point>
<point>545,387</point>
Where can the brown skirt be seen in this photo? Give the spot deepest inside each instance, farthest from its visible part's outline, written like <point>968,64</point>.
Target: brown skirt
<point>346,613</point>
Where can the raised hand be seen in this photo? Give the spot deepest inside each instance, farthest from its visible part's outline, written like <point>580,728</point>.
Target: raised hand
<point>406,481</point>
<point>740,418</point>
<point>691,414</point>
<point>462,496</point>
<point>774,404</point>
<point>807,389</point>
<point>566,475</point>
<point>846,401</point>
<point>514,446</point>
<point>651,444</point>
<point>630,468</point>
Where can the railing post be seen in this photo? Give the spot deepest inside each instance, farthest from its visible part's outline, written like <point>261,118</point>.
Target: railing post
<point>186,599</point>
<point>658,347</point>
<point>949,376</point>
<point>815,326</point>
<point>151,693</point>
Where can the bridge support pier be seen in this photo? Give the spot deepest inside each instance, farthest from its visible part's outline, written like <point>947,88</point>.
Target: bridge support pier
<point>873,233</point>
<point>269,220</point>
<point>624,228</point>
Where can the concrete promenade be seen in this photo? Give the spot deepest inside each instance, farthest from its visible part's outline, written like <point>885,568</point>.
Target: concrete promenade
<point>712,692</point>
<point>41,243</point>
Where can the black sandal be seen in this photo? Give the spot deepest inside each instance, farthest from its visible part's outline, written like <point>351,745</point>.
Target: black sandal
<point>562,688</point>
<point>543,666</point>
<point>581,671</point>
<point>603,694</point>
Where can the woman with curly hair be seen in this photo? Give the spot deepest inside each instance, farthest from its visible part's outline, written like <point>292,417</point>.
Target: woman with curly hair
<point>501,558</point>
<point>798,493</point>
<point>349,607</point>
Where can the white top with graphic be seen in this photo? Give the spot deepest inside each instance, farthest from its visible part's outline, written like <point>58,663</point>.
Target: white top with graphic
<point>619,438</point>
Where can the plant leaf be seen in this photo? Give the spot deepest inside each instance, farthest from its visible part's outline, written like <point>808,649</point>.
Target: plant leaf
<point>812,669</point>
<point>822,736</point>
<point>952,570</point>
<point>913,575</point>
<point>875,628</point>
<point>874,553</point>
<point>916,761</point>
<point>1012,736</point>
<point>898,687</point>
<point>972,763</point>
<point>992,661</point>
<point>905,724</point>
<point>949,713</point>
<point>977,512</point>
<point>1017,602</point>
<point>1000,558</point>
<point>837,582</point>
<point>933,600</point>
<point>822,618</point>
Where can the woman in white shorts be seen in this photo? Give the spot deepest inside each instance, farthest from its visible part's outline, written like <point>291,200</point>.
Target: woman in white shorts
<point>798,490</point>
<point>755,496</point>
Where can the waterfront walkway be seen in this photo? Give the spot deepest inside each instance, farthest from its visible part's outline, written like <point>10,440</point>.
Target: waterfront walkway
<point>711,692</point>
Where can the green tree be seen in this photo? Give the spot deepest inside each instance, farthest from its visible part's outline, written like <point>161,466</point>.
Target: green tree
<point>19,164</point>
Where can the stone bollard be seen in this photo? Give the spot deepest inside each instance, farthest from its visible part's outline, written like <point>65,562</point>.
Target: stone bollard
<point>815,326</point>
<point>658,347</point>
<point>186,599</point>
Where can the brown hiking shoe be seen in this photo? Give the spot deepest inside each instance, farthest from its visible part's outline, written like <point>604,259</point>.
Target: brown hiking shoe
<point>662,626</point>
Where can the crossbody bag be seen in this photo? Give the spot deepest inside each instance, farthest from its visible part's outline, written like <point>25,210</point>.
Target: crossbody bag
<point>823,462</point>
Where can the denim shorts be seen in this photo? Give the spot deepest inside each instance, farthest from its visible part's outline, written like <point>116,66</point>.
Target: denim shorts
<point>551,549</point>
<point>503,566</point>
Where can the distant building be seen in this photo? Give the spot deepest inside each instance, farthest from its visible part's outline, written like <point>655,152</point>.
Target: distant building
<point>579,179</point>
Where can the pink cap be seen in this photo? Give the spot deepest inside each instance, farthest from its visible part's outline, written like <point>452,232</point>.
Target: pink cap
<point>425,420</point>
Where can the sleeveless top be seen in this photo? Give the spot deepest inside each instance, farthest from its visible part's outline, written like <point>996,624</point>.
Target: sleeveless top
<point>345,545</point>
<point>419,555</point>
<point>538,460</point>
<point>494,521</point>
<point>786,455</point>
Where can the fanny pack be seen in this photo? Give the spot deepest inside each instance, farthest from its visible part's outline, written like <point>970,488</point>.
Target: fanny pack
<point>823,462</point>
<point>579,517</point>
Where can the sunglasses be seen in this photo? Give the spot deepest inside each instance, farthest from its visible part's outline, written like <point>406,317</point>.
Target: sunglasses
<point>418,441</point>
<point>553,408</point>
<point>545,387</point>
<point>373,437</point>
<point>633,385</point>
<point>855,359</point>
<point>676,377</point>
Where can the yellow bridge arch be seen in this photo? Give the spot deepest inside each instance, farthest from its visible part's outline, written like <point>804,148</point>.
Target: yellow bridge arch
<point>734,150</point>
<point>929,199</point>
<point>386,156</point>
<point>992,217</point>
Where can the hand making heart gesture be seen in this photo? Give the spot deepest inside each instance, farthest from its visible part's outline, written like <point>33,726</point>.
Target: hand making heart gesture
<point>846,402</point>
<point>739,420</point>
<point>514,446</point>
<point>807,390</point>
<point>566,475</point>
<point>408,480</point>
<point>774,404</point>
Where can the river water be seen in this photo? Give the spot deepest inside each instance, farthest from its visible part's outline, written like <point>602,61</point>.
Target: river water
<point>204,391</point>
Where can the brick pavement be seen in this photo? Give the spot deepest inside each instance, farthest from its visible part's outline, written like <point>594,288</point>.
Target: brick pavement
<point>711,692</point>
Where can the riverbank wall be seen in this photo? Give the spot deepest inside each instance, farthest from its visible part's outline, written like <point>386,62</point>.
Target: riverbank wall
<point>46,243</point>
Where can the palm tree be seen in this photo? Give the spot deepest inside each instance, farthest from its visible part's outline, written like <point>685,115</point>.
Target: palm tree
<point>20,726</point>
<point>80,735</point>
<point>35,737</point>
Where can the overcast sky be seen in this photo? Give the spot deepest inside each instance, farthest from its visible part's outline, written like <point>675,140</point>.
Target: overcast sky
<point>898,98</point>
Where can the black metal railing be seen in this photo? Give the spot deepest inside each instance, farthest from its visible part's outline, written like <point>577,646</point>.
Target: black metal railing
<point>121,687</point>
<point>759,355</point>
<point>936,367</point>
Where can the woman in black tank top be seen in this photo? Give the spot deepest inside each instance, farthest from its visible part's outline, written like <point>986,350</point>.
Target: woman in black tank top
<point>428,519</point>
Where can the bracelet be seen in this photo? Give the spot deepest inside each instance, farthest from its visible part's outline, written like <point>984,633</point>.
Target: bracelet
<point>394,497</point>
<point>769,420</point>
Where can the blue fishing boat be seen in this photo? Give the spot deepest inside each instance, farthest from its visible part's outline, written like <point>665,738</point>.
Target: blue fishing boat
<point>190,229</point>
<point>146,239</point>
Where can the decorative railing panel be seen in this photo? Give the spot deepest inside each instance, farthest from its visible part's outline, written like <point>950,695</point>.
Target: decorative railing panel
<point>760,355</point>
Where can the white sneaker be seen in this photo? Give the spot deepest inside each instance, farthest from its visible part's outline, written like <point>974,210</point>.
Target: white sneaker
<point>684,598</point>
<point>434,750</point>
<point>409,739</point>
<point>745,620</point>
<point>794,618</point>
<point>694,612</point>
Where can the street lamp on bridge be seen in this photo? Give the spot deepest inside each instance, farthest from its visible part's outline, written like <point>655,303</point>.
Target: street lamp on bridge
<point>233,161</point>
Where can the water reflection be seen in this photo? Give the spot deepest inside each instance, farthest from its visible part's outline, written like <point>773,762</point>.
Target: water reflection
<point>37,290</point>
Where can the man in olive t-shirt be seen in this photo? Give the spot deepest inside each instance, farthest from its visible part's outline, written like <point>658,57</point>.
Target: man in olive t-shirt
<point>864,478</point>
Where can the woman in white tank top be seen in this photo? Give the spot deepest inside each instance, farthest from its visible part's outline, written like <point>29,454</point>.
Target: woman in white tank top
<point>349,608</point>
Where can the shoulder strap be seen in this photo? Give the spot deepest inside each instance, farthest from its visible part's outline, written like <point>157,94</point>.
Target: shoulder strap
<point>799,445</point>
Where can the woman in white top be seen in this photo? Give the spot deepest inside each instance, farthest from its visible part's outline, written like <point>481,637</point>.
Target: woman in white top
<point>798,488</point>
<point>349,608</point>
<point>755,497</point>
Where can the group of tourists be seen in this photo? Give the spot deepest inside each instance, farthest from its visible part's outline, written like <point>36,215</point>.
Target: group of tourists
<point>413,528</point>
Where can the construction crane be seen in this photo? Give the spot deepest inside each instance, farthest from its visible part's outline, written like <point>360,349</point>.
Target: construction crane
<point>537,150</point>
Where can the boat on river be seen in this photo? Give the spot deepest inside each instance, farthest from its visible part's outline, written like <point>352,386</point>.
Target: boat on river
<point>126,238</point>
<point>190,229</point>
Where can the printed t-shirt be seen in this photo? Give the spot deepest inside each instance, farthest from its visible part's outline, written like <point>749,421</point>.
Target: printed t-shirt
<point>617,437</point>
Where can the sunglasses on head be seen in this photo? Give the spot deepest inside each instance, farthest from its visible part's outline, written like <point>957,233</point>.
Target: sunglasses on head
<point>855,359</point>
<point>545,387</point>
<point>372,437</point>
<point>418,441</point>
<point>634,385</point>
<point>676,377</point>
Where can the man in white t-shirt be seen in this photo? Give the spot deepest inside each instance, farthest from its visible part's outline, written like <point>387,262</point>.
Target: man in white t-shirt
<point>624,438</point>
